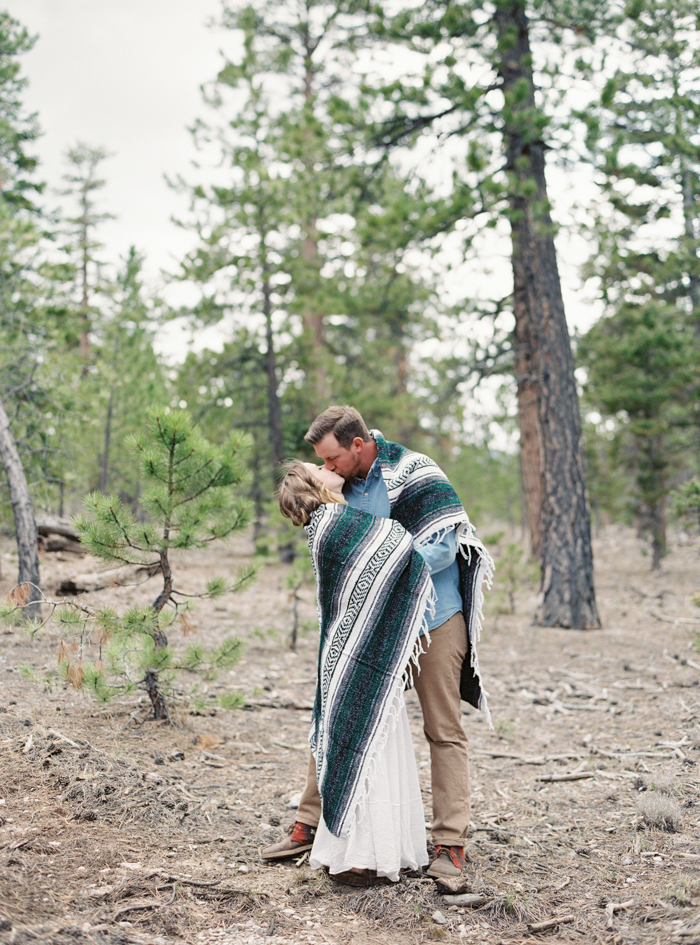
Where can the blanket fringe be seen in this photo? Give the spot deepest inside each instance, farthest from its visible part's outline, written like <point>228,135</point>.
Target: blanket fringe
<point>422,642</point>
<point>392,712</point>
<point>468,543</point>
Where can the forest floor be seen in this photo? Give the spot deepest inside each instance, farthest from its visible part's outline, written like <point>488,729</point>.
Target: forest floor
<point>115,829</point>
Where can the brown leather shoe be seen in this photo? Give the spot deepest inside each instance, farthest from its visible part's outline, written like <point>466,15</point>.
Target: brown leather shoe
<point>299,839</point>
<point>448,862</point>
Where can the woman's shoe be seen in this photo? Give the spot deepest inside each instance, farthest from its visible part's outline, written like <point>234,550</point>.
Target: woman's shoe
<point>363,878</point>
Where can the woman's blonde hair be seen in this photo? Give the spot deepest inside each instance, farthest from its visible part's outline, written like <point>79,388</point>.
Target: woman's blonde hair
<point>300,493</point>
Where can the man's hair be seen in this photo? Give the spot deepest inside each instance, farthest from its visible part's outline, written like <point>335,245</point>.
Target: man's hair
<point>300,493</point>
<point>345,423</point>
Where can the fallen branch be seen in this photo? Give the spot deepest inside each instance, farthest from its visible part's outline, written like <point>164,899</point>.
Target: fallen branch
<point>550,923</point>
<point>471,900</point>
<point>64,738</point>
<point>613,907</point>
<point>674,620</point>
<point>629,754</point>
<point>171,880</point>
<point>524,760</point>
<point>60,544</point>
<point>617,776</point>
<point>152,904</point>
<point>574,776</point>
<point>57,526</point>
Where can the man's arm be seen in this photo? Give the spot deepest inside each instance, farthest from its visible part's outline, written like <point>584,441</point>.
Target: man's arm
<point>440,553</point>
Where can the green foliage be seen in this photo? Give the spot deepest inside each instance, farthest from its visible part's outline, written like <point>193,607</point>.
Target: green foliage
<point>227,654</point>
<point>231,701</point>
<point>189,490</point>
<point>516,571</point>
<point>17,130</point>
<point>216,587</point>
<point>487,481</point>
<point>78,358</point>
<point>300,254</point>
<point>642,370</point>
<point>643,359</point>
<point>687,499</point>
<point>300,575</point>
<point>610,484</point>
<point>95,682</point>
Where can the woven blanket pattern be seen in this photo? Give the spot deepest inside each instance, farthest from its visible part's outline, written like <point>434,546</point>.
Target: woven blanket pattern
<point>424,501</point>
<point>372,592</point>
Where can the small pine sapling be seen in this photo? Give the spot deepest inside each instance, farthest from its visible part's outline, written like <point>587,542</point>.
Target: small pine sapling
<point>301,573</point>
<point>189,488</point>
<point>687,500</point>
<point>687,505</point>
<point>515,570</point>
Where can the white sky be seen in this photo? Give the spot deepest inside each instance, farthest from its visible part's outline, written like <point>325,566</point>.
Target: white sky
<point>126,75</point>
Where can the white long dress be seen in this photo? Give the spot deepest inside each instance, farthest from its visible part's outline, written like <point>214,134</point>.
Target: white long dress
<point>388,831</point>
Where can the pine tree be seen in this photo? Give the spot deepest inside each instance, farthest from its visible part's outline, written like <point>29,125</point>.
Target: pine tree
<point>82,184</point>
<point>644,143</point>
<point>19,333</point>
<point>128,377</point>
<point>479,84</point>
<point>189,497</point>
<point>292,247</point>
<point>641,367</point>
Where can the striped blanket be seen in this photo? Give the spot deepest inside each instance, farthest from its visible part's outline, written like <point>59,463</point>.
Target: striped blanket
<point>373,590</point>
<point>423,500</point>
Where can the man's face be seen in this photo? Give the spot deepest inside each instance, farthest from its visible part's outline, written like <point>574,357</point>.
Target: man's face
<point>340,459</point>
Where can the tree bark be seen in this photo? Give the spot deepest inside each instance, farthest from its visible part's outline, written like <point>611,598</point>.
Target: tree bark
<point>23,511</point>
<point>544,358</point>
<point>151,678</point>
<point>531,461</point>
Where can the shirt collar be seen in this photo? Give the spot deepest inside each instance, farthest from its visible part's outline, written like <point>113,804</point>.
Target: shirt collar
<point>375,471</point>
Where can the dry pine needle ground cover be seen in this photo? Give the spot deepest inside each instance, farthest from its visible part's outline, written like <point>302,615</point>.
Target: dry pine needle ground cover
<point>585,818</point>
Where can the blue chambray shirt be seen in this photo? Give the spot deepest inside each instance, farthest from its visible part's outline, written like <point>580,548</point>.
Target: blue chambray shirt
<point>370,495</point>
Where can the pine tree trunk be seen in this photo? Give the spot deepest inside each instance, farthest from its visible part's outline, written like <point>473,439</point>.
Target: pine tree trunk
<point>652,481</point>
<point>151,680</point>
<point>545,362</point>
<point>274,410</point>
<point>658,533</point>
<point>23,511</point>
<point>85,346</point>
<point>104,465</point>
<point>313,318</point>
<point>528,412</point>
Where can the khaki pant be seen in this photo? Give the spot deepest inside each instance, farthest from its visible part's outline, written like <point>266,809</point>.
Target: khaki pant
<point>437,687</point>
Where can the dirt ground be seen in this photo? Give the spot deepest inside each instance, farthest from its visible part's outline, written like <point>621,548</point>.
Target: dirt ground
<point>115,829</point>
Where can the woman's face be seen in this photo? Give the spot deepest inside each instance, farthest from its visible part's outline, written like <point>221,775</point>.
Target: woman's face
<point>330,480</point>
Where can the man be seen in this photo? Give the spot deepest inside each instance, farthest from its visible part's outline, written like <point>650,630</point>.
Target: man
<point>391,481</point>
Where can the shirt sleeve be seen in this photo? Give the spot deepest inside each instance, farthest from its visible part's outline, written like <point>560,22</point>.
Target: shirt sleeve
<point>440,553</point>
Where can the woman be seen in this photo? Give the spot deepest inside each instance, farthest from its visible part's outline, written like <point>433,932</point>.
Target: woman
<point>373,591</point>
